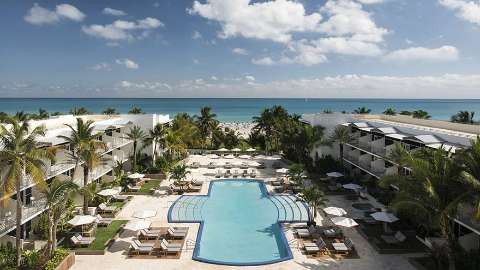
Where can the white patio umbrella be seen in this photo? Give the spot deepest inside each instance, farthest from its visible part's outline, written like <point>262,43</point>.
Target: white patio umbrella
<point>145,214</point>
<point>282,170</point>
<point>137,225</point>
<point>213,156</point>
<point>335,211</point>
<point>352,186</point>
<point>254,164</point>
<point>236,149</point>
<point>79,220</point>
<point>223,150</point>
<point>334,174</point>
<point>229,156</point>
<point>385,217</point>
<point>108,192</point>
<point>251,150</point>
<point>136,176</point>
<point>275,157</point>
<point>344,221</point>
<point>260,156</point>
<point>244,156</point>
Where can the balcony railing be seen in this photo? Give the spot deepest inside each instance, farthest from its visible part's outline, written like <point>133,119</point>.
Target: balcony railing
<point>8,219</point>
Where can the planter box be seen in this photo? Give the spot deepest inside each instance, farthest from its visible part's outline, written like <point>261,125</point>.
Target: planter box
<point>68,262</point>
<point>90,252</point>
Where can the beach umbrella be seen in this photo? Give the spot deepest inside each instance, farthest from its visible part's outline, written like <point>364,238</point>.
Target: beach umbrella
<point>244,156</point>
<point>136,176</point>
<point>109,192</point>
<point>352,186</point>
<point>137,225</point>
<point>254,164</point>
<point>229,156</point>
<point>145,214</point>
<point>334,174</point>
<point>385,217</point>
<point>223,150</point>
<point>213,156</point>
<point>344,222</point>
<point>282,170</point>
<point>251,150</point>
<point>335,211</point>
<point>80,220</point>
<point>236,149</point>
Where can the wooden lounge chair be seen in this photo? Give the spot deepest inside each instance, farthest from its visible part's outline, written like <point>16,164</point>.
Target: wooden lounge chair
<point>101,221</point>
<point>218,174</point>
<point>140,248</point>
<point>170,248</point>
<point>175,189</point>
<point>103,208</point>
<point>120,198</point>
<point>148,234</point>
<point>245,173</point>
<point>317,247</point>
<point>176,233</point>
<point>80,241</point>
<point>133,188</point>
<point>303,233</point>
<point>397,238</point>
<point>227,174</point>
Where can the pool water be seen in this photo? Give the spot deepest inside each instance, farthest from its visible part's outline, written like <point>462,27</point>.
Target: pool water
<point>239,223</point>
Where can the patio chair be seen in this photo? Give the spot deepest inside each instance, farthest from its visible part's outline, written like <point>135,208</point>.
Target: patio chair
<point>245,173</point>
<point>170,248</point>
<point>311,248</point>
<point>227,174</point>
<point>218,174</point>
<point>176,234</point>
<point>175,189</point>
<point>253,174</point>
<point>332,233</point>
<point>303,233</point>
<point>103,208</point>
<point>192,188</point>
<point>133,188</point>
<point>101,221</point>
<point>135,248</point>
<point>197,183</point>
<point>80,241</point>
<point>120,198</point>
<point>236,174</point>
<point>397,238</point>
<point>148,234</point>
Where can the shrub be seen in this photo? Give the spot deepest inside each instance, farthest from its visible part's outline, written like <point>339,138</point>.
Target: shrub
<point>8,257</point>
<point>57,258</point>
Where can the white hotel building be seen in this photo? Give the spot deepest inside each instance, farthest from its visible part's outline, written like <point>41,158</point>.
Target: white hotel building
<point>119,148</point>
<point>373,138</point>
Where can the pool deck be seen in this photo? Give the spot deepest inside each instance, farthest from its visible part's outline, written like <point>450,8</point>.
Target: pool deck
<point>115,257</point>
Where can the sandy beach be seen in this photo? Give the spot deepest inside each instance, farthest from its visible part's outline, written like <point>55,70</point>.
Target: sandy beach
<point>243,129</point>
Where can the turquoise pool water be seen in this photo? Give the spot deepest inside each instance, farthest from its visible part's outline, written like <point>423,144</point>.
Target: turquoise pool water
<point>239,222</point>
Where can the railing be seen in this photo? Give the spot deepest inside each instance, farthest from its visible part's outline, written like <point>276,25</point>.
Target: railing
<point>8,220</point>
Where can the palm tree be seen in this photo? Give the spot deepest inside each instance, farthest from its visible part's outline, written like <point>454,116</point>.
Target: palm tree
<point>362,110</point>
<point>136,110</point>
<point>86,151</point>
<point>421,114</point>
<point>296,172</point>
<point>137,135</point>
<point>390,111</point>
<point>471,174</point>
<point>156,138</point>
<point>206,123</point>
<point>21,156</point>
<point>405,113</point>
<point>178,173</point>
<point>399,154</point>
<point>341,135</point>
<point>315,198</point>
<point>173,144</point>
<point>110,111</point>
<point>56,194</point>
<point>463,117</point>
<point>79,111</point>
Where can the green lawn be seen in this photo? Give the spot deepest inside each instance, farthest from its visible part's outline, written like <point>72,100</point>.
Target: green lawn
<point>104,234</point>
<point>149,185</point>
<point>118,204</point>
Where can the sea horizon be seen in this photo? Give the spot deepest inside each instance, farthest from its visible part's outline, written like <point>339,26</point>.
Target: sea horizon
<point>241,109</point>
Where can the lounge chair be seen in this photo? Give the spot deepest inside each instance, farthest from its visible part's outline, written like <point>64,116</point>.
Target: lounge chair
<point>303,233</point>
<point>332,233</point>
<point>228,165</point>
<point>244,165</point>
<point>120,198</point>
<point>101,221</point>
<point>195,165</point>
<point>103,208</point>
<point>218,174</point>
<point>140,248</point>
<point>175,189</point>
<point>169,248</point>
<point>317,247</point>
<point>176,233</point>
<point>192,188</point>
<point>299,226</point>
<point>397,238</point>
<point>133,188</point>
<point>227,173</point>
<point>235,174</point>
<point>211,165</point>
<point>197,183</point>
<point>253,174</point>
<point>245,173</point>
<point>148,234</point>
<point>80,241</point>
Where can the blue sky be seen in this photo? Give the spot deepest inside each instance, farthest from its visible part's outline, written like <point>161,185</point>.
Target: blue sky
<point>240,48</point>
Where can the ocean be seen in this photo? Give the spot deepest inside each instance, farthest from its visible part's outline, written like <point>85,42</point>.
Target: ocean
<point>240,109</point>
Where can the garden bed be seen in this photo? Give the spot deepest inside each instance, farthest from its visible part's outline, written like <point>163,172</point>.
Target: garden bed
<point>103,237</point>
<point>150,184</point>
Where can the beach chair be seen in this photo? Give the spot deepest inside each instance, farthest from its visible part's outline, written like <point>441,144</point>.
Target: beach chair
<point>176,234</point>
<point>175,189</point>
<point>303,233</point>
<point>397,238</point>
<point>311,248</point>
<point>236,174</point>
<point>101,221</point>
<point>227,174</point>
<point>80,241</point>
<point>140,248</point>
<point>211,165</point>
<point>133,188</point>
<point>103,208</point>
<point>148,234</point>
<point>228,165</point>
<point>218,174</point>
<point>332,233</point>
<point>253,174</point>
<point>245,173</point>
<point>170,248</point>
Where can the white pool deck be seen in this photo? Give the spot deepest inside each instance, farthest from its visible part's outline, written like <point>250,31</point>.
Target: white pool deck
<point>115,258</point>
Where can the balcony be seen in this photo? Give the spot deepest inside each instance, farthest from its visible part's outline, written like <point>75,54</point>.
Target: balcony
<point>8,219</point>
<point>115,142</point>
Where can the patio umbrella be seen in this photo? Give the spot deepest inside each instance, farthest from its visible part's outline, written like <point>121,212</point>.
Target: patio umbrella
<point>244,156</point>
<point>213,156</point>
<point>385,217</point>
<point>108,192</point>
<point>352,186</point>
<point>79,220</point>
<point>229,156</point>
<point>145,214</point>
<point>254,164</point>
<point>137,225</point>
<point>260,156</point>
<point>236,149</point>
<point>223,150</point>
<point>344,221</point>
<point>334,174</point>
<point>251,150</point>
<point>282,170</point>
<point>336,211</point>
<point>236,163</point>
<point>136,176</point>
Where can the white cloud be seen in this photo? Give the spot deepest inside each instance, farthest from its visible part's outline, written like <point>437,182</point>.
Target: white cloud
<point>249,78</point>
<point>196,35</point>
<point>240,51</point>
<point>441,54</point>
<point>123,30</point>
<point>272,20</point>
<point>101,66</point>
<point>113,12</point>
<point>264,61</point>
<point>466,10</point>
<point>130,64</point>
<point>147,87</point>
<point>196,61</point>
<point>39,15</point>
<point>214,78</point>
<point>370,2</point>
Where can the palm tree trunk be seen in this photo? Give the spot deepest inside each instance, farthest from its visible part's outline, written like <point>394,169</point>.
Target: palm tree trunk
<point>135,156</point>
<point>341,156</point>
<point>51,232</point>
<point>18,234</point>
<point>86,171</point>
<point>54,238</point>
<point>154,155</point>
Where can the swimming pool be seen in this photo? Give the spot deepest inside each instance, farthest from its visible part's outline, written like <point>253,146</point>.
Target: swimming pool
<point>239,222</point>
